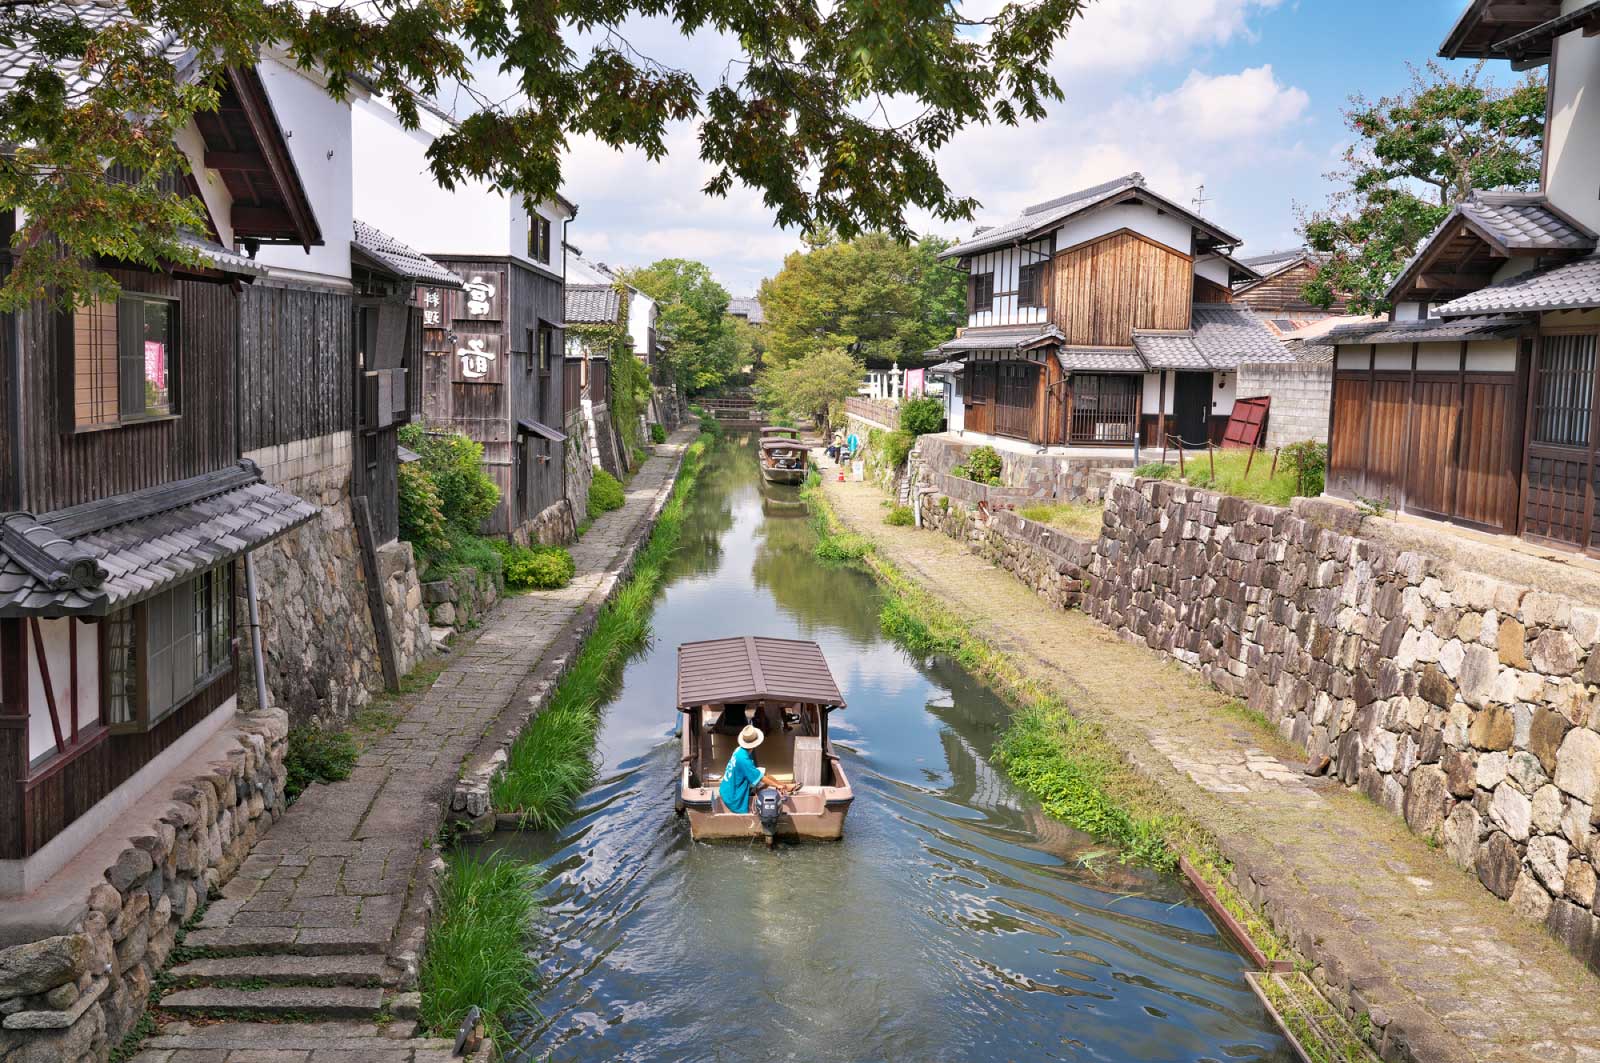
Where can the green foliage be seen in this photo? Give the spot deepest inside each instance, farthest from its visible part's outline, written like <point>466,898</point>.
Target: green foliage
<point>921,415</point>
<point>842,548</point>
<point>1308,460</point>
<point>1415,156</point>
<point>317,754</point>
<point>630,393</point>
<point>535,568</point>
<point>894,447</point>
<point>467,496</point>
<point>884,299</point>
<point>899,517</point>
<point>1082,519</point>
<point>1156,470</point>
<point>983,466</point>
<point>422,522</point>
<point>658,433</point>
<point>477,952</point>
<point>466,551</point>
<point>692,315</point>
<point>901,622</point>
<point>1230,476</point>
<point>808,387</point>
<point>709,425</point>
<point>551,763</point>
<point>605,493</point>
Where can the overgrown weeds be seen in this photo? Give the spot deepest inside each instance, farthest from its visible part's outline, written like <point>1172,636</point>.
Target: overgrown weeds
<point>477,947</point>
<point>317,754</point>
<point>1082,519</point>
<point>551,763</point>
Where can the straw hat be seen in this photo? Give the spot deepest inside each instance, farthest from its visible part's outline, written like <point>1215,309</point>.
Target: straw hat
<point>750,737</point>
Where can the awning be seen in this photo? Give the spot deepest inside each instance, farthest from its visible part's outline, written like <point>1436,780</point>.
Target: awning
<point>1011,339</point>
<point>407,455</point>
<point>543,431</point>
<point>92,559</point>
<point>946,368</point>
<point>1429,330</point>
<point>735,671</point>
<point>1100,360</point>
<point>388,255</point>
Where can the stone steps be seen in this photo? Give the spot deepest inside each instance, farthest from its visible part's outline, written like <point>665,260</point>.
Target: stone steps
<point>354,971</point>
<point>312,1042</point>
<point>300,1002</point>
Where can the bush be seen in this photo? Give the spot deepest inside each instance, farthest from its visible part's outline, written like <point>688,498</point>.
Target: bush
<point>422,522</point>
<point>710,426</point>
<point>605,494</point>
<point>466,493</point>
<point>658,433</point>
<point>896,446</point>
<point>982,466</point>
<point>467,551</point>
<point>1308,460</point>
<point>536,568</point>
<point>316,755</point>
<point>899,517</point>
<point>1155,470</point>
<point>921,416</point>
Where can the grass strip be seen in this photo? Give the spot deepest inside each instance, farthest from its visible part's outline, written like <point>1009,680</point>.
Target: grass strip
<point>477,950</point>
<point>551,763</point>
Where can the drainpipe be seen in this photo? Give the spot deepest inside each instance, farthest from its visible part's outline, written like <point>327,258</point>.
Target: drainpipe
<point>256,656</point>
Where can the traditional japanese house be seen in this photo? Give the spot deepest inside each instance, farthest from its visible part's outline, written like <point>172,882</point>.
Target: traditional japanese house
<point>124,503</point>
<point>494,365</point>
<point>1103,318</point>
<point>1475,403</point>
<point>1278,295</point>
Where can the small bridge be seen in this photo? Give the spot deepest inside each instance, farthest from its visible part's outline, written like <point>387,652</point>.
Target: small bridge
<point>735,412</point>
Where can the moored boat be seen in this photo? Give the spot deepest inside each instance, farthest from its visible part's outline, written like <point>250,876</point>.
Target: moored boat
<point>783,461</point>
<point>772,698</point>
<point>774,431</point>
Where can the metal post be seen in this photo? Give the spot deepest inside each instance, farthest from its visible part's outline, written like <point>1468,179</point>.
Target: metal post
<point>256,656</point>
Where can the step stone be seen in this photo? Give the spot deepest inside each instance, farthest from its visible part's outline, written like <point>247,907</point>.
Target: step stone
<point>361,970</point>
<point>328,1002</point>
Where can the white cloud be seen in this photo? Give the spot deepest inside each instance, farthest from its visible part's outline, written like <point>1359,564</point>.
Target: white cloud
<point>1133,35</point>
<point>1242,106</point>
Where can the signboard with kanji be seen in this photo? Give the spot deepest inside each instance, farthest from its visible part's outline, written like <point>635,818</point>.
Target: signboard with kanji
<point>477,359</point>
<point>483,296</point>
<point>434,312</point>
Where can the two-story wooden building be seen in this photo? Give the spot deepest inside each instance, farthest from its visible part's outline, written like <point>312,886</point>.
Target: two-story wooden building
<point>1476,402</point>
<point>1100,318</point>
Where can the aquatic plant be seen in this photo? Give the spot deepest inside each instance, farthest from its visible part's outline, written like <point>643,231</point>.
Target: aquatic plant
<point>477,947</point>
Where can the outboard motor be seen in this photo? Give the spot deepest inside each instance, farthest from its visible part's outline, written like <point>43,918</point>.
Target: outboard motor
<point>768,804</point>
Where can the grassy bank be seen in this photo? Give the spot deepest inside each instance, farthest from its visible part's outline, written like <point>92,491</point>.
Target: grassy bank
<point>551,763</point>
<point>477,947</point>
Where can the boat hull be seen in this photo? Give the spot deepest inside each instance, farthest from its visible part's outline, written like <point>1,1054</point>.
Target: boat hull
<point>827,824</point>
<point>783,476</point>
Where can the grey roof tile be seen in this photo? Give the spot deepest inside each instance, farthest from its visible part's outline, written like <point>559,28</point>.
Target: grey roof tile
<point>1100,359</point>
<point>1230,334</point>
<point>1429,330</point>
<point>748,308</point>
<point>22,54</point>
<point>1169,350</point>
<point>1518,221</point>
<point>593,304</point>
<point>400,258</point>
<point>1010,338</point>
<point>1570,286</point>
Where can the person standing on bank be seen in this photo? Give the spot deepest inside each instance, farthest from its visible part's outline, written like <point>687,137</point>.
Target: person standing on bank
<point>743,777</point>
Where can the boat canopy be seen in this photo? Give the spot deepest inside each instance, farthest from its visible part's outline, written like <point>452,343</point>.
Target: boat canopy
<point>741,670</point>
<point>780,444</point>
<point>779,430</point>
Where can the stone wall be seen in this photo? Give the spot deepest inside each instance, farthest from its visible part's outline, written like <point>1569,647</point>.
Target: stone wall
<point>1051,562</point>
<point>1300,391</point>
<point>1025,476</point>
<point>459,601</point>
<point>1458,700</point>
<point>71,997</point>
<point>316,626</point>
<point>580,463</point>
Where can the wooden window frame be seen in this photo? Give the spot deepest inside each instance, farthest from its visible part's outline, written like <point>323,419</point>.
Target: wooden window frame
<point>144,719</point>
<point>67,365</point>
<point>544,345</point>
<point>539,237</point>
<point>1032,286</point>
<point>983,301</point>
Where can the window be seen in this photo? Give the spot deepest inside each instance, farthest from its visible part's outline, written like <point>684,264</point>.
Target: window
<point>982,292</point>
<point>1030,285</point>
<point>532,349</point>
<point>1566,391</point>
<point>538,237</point>
<point>160,652</point>
<point>124,361</point>
<point>546,347</point>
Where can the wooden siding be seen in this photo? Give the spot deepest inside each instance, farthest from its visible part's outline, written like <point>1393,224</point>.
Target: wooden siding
<point>1102,290</point>
<point>11,442</point>
<point>67,468</point>
<point>1279,295</point>
<point>1209,291</point>
<point>296,368</point>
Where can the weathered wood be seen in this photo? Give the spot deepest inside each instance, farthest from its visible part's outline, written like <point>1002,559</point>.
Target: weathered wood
<point>1109,286</point>
<point>375,603</point>
<point>295,349</point>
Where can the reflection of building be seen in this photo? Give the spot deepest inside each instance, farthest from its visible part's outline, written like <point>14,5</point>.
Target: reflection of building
<point>1475,403</point>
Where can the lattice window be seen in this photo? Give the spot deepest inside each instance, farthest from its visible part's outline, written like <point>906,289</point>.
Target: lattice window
<point>94,370</point>
<point>1565,399</point>
<point>164,650</point>
<point>121,677</point>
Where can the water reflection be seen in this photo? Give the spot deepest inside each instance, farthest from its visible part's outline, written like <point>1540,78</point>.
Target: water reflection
<point>953,922</point>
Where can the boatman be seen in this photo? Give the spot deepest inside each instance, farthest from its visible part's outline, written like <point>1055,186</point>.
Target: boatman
<point>743,777</point>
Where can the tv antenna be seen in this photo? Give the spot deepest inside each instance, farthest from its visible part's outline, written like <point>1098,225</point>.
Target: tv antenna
<point>1200,198</point>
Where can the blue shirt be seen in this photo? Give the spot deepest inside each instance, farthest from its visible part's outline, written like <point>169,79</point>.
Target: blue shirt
<point>737,782</point>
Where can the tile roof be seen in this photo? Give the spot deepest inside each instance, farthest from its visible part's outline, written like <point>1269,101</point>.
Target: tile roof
<point>1229,334</point>
<point>748,308</point>
<point>21,54</point>
<point>1569,286</point>
<point>401,259</point>
<point>222,258</point>
<point>1510,221</point>
<point>1169,350</point>
<point>1099,359</point>
<point>593,304</point>
<point>87,561</point>
<point>1009,338</point>
<point>1043,217</point>
<point>1428,330</point>
<point>946,368</point>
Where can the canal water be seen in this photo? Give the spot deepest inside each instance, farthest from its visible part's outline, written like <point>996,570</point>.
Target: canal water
<point>953,922</point>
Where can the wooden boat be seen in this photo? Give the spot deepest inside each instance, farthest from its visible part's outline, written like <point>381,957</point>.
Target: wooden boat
<point>783,461</point>
<point>773,431</point>
<point>783,688</point>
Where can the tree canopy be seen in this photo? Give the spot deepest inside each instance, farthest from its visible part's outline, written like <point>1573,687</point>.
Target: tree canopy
<point>801,117</point>
<point>883,298</point>
<point>809,386</point>
<point>1417,155</point>
<point>701,345</point>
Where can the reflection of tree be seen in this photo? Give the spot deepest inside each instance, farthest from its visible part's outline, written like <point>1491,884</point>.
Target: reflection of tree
<point>708,514</point>
<point>820,595</point>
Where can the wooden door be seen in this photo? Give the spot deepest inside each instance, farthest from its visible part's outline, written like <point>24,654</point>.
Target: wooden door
<point>1191,407</point>
<point>979,404</point>
<point>1558,499</point>
<point>1016,390</point>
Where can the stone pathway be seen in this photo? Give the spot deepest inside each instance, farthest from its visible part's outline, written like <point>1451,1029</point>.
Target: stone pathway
<point>1449,972</point>
<point>323,920</point>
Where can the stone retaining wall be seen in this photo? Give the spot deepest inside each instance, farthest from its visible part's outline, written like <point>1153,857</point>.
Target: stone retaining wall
<point>73,997</point>
<point>1046,559</point>
<point>459,601</point>
<point>1459,701</point>
<point>1024,476</point>
<point>579,468</point>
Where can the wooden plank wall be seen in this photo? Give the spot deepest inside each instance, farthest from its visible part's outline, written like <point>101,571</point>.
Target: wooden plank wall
<point>297,364</point>
<point>1279,295</point>
<point>65,469</point>
<point>1106,288</point>
<point>535,296</point>
<point>11,439</point>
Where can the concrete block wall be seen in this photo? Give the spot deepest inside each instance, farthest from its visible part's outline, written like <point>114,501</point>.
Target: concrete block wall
<point>1300,392</point>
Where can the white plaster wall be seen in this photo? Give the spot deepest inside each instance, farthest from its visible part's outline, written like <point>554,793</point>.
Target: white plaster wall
<point>1511,267</point>
<point>58,658</point>
<point>1005,264</point>
<point>1409,311</point>
<point>213,192</point>
<point>1212,269</point>
<point>1353,357</point>
<point>1393,356</point>
<point>1146,220</point>
<point>641,309</point>
<point>955,410</point>
<point>1153,393</point>
<point>1493,356</point>
<point>1572,150</point>
<point>1223,386</point>
<point>319,136</point>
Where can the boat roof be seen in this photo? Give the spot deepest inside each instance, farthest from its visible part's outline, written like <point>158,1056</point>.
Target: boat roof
<point>774,429</point>
<point>780,444</point>
<point>737,670</point>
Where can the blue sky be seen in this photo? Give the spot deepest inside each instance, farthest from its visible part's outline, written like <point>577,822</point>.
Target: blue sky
<point>1244,95</point>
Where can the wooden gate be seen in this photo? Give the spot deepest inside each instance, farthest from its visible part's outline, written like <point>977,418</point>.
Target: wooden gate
<point>1015,392</point>
<point>979,400</point>
<point>1559,498</point>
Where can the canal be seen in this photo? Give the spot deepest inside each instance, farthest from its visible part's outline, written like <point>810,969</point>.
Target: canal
<point>953,922</point>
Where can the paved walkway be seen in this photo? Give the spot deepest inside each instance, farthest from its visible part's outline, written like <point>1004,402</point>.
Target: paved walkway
<point>1448,970</point>
<point>322,921</point>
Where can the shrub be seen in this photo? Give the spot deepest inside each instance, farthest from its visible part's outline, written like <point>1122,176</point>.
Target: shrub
<point>605,494</point>
<point>710,426</point>
<point>467,551</point>
<point>896,446</point>
<point>983,466</point>
<point>466,493</point>
<point>422,522</point>
<point>921,416</point>
<point>899,517</point>
<point>1155,470</point>
<point>1308,460</point>
<point>658,433</point>
<point>537,568</point>
<point>316,754</point>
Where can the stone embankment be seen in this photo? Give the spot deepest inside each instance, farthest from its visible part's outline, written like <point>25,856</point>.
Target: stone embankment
<point>1390,926</point>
